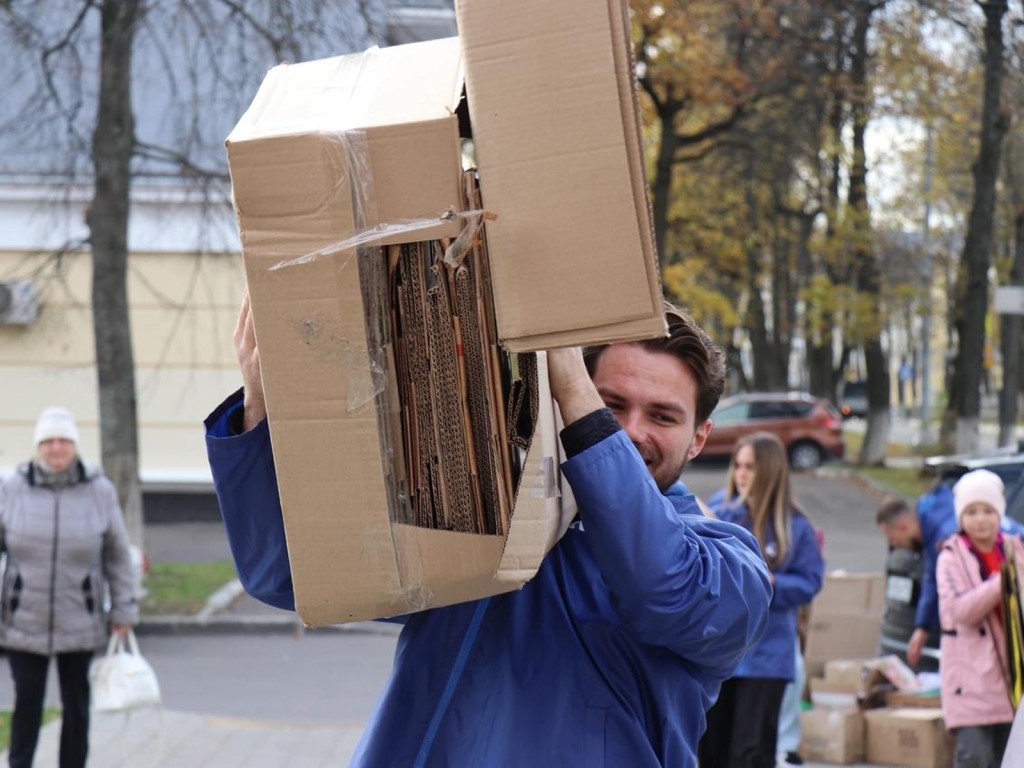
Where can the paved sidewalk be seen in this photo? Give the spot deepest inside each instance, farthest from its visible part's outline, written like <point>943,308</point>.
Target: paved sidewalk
<point>163,739</point>
<point>166,739</point>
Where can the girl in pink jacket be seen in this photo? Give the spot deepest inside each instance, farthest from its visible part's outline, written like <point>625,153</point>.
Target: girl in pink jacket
<point>975,695</point>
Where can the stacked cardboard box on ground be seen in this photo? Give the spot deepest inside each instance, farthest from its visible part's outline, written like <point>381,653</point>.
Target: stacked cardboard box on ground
<point>873,709</point>
<point>416,454</point>
<point>913,737</point>
<point>846,619</point>
<point>833,730</point>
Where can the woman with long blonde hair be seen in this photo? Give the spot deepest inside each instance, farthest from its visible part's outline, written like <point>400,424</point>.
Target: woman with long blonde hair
<point>742,726</point>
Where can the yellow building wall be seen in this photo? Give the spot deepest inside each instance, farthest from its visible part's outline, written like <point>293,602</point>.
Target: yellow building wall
<point>183,311</point>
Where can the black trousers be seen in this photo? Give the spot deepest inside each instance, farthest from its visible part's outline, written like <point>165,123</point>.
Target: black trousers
<point>29,673</point>
<point>981,746</point>
<point>743,725</point>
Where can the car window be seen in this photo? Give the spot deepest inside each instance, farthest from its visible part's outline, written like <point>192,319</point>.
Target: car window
<point>731,414</point>
<point>855,389</point>
<point>1015,501</point>
<point>770,409</point>
<point>800,407</point>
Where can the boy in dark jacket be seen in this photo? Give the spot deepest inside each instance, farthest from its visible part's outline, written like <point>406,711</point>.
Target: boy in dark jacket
<point>613,652</point>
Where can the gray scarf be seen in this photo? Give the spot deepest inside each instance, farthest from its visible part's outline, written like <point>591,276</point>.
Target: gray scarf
<point>48,478</point>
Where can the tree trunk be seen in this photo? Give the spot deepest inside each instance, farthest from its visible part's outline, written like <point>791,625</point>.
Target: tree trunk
<point>1009,396</point>
<point>868,280</point>
<point>978,243</point>
<point>112,149</point>
<point>755,321</point>
<point>783,306</point>
<point>661,188</point>
<point>823,373</point>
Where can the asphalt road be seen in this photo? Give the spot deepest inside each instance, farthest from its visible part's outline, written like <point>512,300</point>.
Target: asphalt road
<point>326,677</point>
<point>841,505</point>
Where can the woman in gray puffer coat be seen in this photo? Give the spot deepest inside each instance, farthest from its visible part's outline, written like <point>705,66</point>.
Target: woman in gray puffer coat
<point>65,540</point>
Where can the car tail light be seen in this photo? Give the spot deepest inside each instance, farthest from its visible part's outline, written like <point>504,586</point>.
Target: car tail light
<point>831,422</point>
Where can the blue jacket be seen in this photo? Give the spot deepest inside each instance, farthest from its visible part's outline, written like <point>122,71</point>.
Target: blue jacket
<point>609,656</point>
<point>937,514</point>
<point>797,580</point>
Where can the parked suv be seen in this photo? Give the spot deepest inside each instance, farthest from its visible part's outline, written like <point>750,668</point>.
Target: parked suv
<point>1008,463</point>
<point>854,400</point>
<point>810,428</point>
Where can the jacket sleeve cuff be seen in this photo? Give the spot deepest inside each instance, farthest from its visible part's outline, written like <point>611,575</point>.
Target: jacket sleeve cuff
<point>588,431</point>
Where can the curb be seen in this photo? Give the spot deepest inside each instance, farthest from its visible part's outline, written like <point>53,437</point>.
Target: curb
<point>224,625</point>
<point>217,625</point>
<point>211,619</point>
<point>221,599</point>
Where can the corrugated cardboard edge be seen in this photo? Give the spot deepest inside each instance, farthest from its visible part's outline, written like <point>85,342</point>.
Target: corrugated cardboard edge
<point>618,12</point>
<point>538,520</point>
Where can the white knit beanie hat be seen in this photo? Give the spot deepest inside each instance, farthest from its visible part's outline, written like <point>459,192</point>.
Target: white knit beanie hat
<point>979,486</point>
<point>56,422</point>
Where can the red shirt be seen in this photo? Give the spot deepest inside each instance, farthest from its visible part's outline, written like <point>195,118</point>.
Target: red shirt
<point>990,563</point>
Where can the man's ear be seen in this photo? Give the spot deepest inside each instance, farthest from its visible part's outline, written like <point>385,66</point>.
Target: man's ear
<point>699,438</point>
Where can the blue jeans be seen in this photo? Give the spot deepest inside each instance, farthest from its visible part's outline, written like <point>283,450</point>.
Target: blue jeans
<point>789,716</point>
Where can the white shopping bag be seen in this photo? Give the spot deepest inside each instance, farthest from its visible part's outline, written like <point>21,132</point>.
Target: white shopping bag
<point>122,680</point>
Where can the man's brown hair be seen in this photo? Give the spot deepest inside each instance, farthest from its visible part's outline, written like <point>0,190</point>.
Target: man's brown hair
<point>891,508</point>
<point>688,342</point>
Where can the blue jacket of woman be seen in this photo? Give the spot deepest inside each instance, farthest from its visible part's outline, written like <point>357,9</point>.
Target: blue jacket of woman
<point>797,580</point>
<point>610,656</point>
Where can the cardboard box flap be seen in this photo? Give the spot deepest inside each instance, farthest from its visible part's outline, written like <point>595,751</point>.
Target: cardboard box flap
<point>322,159</point>
<point>381,86</point>
<point>541,516</point>
<point>571,248</point>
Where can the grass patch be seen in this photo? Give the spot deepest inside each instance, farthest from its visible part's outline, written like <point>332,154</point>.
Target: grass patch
<point>854,441</point>
<point>905,482</point>
<point>182,588</point>
<point>909,482</point>
<point>50,713</point>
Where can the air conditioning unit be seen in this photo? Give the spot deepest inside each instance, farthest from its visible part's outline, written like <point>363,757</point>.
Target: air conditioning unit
<point>19,303</point>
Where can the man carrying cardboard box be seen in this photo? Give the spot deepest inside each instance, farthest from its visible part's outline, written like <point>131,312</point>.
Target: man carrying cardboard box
<point>613,652</point>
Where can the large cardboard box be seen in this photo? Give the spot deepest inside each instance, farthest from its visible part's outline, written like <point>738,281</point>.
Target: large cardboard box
<point>916,738</point>
<point>832,736</point>
<point>846,619</point>
<point>848,673</point>
<point>833,694</point>
<point>844,593</point>
<point>898,699</point>
<point>366,150</point>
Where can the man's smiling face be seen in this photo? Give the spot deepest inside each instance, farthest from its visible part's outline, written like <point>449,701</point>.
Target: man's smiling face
<point>654,397</point>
